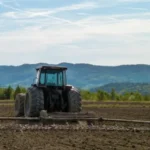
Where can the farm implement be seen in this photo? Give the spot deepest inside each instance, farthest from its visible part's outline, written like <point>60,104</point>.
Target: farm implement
<point>69,118</point>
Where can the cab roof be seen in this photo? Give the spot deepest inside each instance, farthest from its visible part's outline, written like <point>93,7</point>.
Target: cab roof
<point>51,68</point>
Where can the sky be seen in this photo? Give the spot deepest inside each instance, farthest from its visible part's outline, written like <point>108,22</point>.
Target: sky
<point>100,32</point>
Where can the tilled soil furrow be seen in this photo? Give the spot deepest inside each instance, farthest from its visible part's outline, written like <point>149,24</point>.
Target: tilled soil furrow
<point>20,127</point>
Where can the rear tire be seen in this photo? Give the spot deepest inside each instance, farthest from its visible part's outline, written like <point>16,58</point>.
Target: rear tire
<point>74,100</point>
<point>34,102</point>
<point>19,104</point>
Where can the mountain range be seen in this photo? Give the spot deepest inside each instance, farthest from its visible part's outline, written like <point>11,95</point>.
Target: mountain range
<point>80,75</point>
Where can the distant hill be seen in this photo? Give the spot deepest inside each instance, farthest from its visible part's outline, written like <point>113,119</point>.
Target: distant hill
<point>143,88</point>
<point>79,75</point>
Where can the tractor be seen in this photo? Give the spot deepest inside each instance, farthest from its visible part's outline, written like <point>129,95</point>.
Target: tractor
<point>50,92</point>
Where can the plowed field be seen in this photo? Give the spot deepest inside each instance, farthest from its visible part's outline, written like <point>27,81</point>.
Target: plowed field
<point>116,136</point>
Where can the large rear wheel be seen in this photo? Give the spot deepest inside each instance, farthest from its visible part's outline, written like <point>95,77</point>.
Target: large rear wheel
<point>34,102</point>
<point>74,100</point>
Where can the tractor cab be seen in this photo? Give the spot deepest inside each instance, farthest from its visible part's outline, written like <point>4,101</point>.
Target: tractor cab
<point>51,76</point>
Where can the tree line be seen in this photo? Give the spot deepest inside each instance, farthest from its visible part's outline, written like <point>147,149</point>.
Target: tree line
<point>10,93</point>
<point>100,95</point>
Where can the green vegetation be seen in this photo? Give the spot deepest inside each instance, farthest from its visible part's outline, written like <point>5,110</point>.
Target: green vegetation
<point>10,93</point>
<point>125,87</point>
<point>100,95</point>
<point>113,96</point>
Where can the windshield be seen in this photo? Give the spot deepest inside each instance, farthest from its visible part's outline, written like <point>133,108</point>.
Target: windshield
<point>52,78</point>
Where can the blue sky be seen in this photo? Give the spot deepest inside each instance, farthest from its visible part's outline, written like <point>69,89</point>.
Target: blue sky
<point>101,32</point>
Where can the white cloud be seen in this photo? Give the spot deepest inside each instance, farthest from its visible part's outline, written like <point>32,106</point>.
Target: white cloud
<point>87,5</point>
<point>32,13</point>
<point>36,38</point>
<point>44,35</point>
<point>3,3</point>
<point>122,27</point>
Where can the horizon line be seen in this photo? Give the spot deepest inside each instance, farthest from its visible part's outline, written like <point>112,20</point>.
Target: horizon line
<point>82,63</point>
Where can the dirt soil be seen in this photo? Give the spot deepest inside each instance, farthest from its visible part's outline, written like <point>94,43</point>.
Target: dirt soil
<point>122,113</point>
<point>73,139</point>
